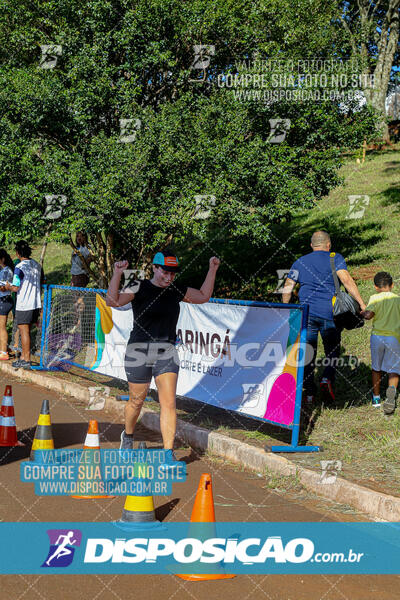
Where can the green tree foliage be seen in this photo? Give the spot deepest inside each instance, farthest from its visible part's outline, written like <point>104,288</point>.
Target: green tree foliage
<point>191,144</point>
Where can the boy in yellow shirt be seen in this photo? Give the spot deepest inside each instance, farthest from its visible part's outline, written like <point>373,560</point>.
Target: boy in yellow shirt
<point>384,308</point>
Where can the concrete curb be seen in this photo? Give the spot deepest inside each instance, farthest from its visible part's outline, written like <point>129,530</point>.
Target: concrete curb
<point>375,504</point>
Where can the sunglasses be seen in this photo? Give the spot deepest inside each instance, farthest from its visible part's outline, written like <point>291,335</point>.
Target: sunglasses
<point>173,273</point>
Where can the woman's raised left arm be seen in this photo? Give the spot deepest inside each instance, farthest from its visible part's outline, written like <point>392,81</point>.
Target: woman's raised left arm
<point>203,295</point>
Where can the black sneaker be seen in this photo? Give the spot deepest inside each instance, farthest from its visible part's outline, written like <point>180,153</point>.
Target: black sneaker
<point>126,441</point>
<point>22,364</point>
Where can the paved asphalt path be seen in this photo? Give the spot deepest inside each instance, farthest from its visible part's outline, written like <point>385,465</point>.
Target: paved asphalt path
<point>238,495</point>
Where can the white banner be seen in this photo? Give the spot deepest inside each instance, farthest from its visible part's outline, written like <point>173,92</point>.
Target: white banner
<point>240,358</point>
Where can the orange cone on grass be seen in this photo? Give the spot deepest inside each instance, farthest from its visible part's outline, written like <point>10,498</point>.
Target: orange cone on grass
<point>92,479</point>
<point>203,512</point>
<point>8,429</point>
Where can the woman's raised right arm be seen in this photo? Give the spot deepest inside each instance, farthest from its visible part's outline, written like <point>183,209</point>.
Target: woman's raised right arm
<point>114,297</point>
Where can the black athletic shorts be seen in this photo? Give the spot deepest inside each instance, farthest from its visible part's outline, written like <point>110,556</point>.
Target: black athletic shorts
<point>144,360</point>
<point>6,304</point>
<point>26,317</point>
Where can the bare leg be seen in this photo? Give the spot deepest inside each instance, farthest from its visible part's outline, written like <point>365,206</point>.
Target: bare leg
<point>394,379</point>
<point>166,386</point>
<point>16,339</point>
<point>3,333</point>
<point>137,394</point>
<point>376,382</point>
<point>24,332</point>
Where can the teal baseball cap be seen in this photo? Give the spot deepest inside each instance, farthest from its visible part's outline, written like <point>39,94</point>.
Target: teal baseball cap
<point>166,260</point>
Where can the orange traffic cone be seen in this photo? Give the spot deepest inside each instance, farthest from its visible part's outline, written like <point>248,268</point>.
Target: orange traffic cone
<point>8,429</point>
<point>203,512</point>
<point>92,480</point>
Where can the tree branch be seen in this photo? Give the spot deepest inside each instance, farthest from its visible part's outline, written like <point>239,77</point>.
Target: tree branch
<point>352,38</point>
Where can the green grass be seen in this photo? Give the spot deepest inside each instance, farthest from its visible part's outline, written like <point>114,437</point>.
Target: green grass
<point>282,483</point>
<point>57,261</point>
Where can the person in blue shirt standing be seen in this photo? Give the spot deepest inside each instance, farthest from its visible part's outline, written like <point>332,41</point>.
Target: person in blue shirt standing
<point>313,273</point>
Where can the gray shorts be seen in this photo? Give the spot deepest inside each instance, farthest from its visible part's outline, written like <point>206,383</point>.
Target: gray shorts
<point>26,317</point>
<point>385,353</point>
<point>144,360</point>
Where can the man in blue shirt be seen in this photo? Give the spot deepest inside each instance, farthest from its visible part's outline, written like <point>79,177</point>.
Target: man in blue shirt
<point>313,273</point>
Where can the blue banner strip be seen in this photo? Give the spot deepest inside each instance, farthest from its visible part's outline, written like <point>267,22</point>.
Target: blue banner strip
<point>140,544</point>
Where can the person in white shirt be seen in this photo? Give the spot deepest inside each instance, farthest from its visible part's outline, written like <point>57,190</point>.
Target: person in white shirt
<point>27,281</point>
<point>6,302</point>
<point>79,275</point>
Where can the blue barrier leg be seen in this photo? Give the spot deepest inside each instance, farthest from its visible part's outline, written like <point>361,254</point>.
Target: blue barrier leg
<point>294,444</point>
<point>296,448</point>
<point>44,318</point>
<point>45,324</point>
<point>48,314</point>
<point>40,366</point>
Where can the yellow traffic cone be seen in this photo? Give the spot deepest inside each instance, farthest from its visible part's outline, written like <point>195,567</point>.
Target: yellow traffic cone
<point>43,439</point>
<point>138,514</point>
<point>138,511</point>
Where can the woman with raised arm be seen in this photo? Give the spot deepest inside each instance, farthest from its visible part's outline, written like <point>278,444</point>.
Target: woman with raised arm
<point>151,350</point>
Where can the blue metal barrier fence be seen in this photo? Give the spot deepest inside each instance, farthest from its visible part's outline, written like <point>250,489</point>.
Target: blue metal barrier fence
<point>293,427</point>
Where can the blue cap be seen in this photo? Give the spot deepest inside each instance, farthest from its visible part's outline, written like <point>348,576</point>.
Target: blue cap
<point>166,260</point>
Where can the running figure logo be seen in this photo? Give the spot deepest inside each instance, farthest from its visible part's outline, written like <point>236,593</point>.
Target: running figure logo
<point>253,393</point>
<point>61,551</point>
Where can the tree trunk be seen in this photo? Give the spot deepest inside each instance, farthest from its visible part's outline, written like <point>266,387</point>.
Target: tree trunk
<point>376,98</point>
<point>110,259</point>
<point>44,246</point>
<point>386,45</point>
<point>145,264</point>
<point>102,261</point>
